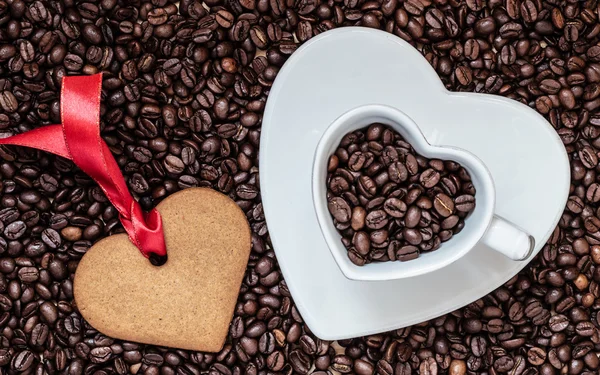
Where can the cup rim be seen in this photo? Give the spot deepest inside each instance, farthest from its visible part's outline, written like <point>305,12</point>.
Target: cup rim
<point>407,127</point>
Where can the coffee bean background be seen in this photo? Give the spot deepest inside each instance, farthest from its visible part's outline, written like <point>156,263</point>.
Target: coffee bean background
<point>388,202</point>
<point>183,92</point>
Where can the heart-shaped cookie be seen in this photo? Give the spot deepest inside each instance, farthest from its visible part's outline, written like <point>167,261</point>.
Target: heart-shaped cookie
<point>188,302</point>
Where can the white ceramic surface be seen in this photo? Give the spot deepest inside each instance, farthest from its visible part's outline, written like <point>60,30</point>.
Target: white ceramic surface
<point>514,243</point>
<point>342,69</point>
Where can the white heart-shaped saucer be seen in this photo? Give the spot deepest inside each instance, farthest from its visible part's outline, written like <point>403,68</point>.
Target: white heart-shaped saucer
<point>349,67</point>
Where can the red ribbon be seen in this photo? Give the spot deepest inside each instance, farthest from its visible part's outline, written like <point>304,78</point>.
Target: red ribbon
<point>78,139</point>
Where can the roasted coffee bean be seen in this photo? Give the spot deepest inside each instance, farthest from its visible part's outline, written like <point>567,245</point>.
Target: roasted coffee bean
<point>395,207</point>
<point>340,209</point>
<point>443,204</point>
<point>22,361</point>
<point>536,356</point>
<point>300,362</point>
<point>48,312</point>
<point>408,252</point>
<point>376,219</point>
<point>464,203</point>
<point>342,364</point>
<point>73,62</point>
<point>428,367</point>
<point>275,361</point>
<point>157,16</point>
<point>5,356</point>
<point>8,102</point>
<point>478,346</point>
<point>429,178</point>
<point>593,193</point>
<point>100,354</point>
<point>558,323</point>
<point>15,230</point>
<point>224,18</point>
<point>397,172</point>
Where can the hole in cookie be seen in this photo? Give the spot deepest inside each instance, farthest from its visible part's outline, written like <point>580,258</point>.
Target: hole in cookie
<point>390,203</point>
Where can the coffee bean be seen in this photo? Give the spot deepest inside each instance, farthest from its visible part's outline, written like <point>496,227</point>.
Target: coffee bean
<point>529,11</point>
<point>376,219</point>
<point>73,62</point>
<point>429,178</point>
<point>358,217</point>
<point>15,230</point>
<point>585,329</point>
<point>478,346</point>
<point>397,172</point>
<point>49,312</point>
<point>428,367</point>
<point>511,344</point>
<point>575,204</point>
<point>463,75</point>
<point>361,243</point>
<point>366,186</point>
<point>224,18</point>
<point>443,204</point>
<point>536,356</point>
<point>342,364</point>
<point>8,102</point>
<point>593,193</point>
<point>22,361</point>
<point>51,238</point>
<point>396,207</point>
<point>100,354</point>
<point>504,363</point>
<point>340,209</point>
<point>384,367</point>
<point>308,345</point>
<point>157,16</point>
<point>406,253</point>
<point>550,86</point>
<point>7,51</point>
<point>173,164</point>
<point>5,356</point>
<point>412,236</point>
<point>588,157</point>
<point>275,361</point>
<point>39,334</point>
<point>356,258</point>
<point>172,66</point>
<point>300,362</point>
<point>413,217</point>
<point>357,161</point>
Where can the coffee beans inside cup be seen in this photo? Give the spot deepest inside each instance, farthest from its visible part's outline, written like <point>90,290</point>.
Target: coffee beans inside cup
<point>390,203</point>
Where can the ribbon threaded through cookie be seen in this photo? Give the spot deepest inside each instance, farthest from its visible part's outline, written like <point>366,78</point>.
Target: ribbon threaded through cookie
<point>78,139</point>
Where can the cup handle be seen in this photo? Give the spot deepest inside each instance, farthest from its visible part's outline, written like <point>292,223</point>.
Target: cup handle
<point>508,239</point>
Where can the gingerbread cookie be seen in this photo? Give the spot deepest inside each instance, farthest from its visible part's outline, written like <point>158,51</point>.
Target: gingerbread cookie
<point>188,302</point>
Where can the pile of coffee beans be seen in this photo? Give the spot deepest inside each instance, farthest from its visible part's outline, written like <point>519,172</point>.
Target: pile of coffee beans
<point>388,202</point>
<point>184,90</point>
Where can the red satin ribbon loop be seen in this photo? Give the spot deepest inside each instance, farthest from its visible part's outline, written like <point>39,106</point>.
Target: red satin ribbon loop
<point>78,139</point>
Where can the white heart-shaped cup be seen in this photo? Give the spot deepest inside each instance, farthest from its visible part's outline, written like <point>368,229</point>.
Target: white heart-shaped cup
<point>481,225</point>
